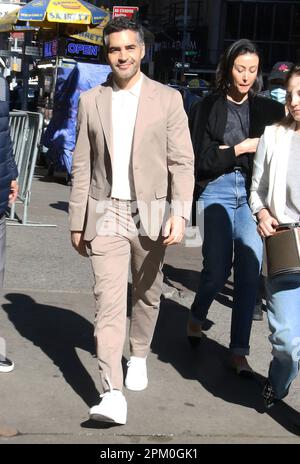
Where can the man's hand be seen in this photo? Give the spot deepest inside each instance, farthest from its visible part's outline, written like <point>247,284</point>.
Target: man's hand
<point>78,243</point>
<point>266,223</point>
<point>14,188</point>
<point>174,230</point>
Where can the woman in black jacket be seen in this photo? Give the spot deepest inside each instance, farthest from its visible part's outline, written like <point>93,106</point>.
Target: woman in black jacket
<point>225,129</point>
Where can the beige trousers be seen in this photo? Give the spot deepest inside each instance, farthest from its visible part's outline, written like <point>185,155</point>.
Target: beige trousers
<point>110,251</point>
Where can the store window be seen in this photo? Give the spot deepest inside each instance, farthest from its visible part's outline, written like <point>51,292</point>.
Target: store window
<point>282,22</point>
<point>233,21</point>
<point>248,20</point>
<point>273,25</point>
<point>264,14</point>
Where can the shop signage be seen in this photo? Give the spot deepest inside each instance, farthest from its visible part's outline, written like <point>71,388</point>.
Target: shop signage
<point>176,44</point>
<point>82,51</point>
<point>50,49</point>
<point>32,51</point>
<point>5,53</point>
<point>128,11</point>
<point>17,35</point>
<point>68,17</point>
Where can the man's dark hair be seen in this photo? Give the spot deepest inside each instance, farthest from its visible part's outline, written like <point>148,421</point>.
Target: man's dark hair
<point>122,23</point>
<point>224,69</point>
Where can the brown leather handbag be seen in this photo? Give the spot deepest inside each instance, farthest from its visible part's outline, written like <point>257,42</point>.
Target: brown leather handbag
<point>283,250</point>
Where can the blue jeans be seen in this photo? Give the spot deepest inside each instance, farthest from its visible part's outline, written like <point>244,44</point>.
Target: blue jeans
<point>229,231</point>
<point>283,308</point>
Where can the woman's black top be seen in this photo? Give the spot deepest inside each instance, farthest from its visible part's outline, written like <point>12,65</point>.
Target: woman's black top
<point>209,121</point>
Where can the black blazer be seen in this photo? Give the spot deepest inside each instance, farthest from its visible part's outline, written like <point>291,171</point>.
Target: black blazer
<point>208,120</point>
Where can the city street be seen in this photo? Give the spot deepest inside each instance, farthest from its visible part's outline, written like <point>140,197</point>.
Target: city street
<point>46,320</point>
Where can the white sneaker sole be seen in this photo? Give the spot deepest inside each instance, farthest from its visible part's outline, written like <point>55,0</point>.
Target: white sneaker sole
<point>7,368</point>
<point>103,418</point>
<point>136,387</point>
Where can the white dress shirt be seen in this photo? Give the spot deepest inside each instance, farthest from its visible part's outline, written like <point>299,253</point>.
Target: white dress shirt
<point>124,111</point>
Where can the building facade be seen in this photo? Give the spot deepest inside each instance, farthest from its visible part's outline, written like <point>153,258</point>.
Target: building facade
<point>211,25</point>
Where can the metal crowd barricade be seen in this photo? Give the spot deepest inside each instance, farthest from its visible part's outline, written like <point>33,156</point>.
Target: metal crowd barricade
<point>26,130</point>
<point>18,122</point>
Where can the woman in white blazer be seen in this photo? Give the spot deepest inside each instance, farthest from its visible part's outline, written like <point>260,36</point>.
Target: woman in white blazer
<point>275,199</point>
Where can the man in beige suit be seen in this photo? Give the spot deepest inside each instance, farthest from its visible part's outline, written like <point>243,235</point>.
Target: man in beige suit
<point>133,150</point>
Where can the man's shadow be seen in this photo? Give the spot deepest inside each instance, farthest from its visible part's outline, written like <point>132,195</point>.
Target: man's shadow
<point>57,332</point>
<point>208,364</point>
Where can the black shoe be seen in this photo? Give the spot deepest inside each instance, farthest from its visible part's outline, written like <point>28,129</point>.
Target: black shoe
<point>258,314</point>
<point>241,367</point>
<point>269,395</point>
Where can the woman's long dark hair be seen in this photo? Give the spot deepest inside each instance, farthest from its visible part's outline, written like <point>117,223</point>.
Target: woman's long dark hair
<point>294,71</point>
<point>224,69</point>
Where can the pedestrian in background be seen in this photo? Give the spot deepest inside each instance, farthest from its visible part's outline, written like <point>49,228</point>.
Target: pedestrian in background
<point>16,96</point>
<point>8,189</point>
<point>276,81</point>
<point>133,147</point>
<point>275,199</point>
<point>225,129</point>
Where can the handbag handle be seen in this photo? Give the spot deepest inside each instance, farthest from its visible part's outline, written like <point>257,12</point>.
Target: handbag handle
<point>287,225</point>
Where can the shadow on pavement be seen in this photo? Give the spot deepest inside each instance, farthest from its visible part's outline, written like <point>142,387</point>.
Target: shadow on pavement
<point>61,205</point>
<point>190,280</point>
<point>57,332</point>
<point>208,364</point>
<point>92,424</point>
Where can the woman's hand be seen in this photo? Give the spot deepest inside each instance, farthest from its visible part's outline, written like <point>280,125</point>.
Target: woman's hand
<point>266,223</point>
<point>246,146</point>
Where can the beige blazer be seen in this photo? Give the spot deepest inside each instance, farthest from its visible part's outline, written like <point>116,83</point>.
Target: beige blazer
<point>162,158</point>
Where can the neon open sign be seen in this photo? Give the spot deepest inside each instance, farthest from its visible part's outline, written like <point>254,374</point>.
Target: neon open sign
<point>82,49</point>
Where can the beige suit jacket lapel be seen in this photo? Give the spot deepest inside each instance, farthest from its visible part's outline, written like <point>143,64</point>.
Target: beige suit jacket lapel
<point>146,112</point>
<point>104,107</point>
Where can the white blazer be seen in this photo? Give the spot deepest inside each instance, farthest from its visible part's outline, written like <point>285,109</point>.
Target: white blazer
<point>268,189</point>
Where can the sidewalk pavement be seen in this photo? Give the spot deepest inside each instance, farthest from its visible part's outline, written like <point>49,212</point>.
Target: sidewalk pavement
<point>47,323</point>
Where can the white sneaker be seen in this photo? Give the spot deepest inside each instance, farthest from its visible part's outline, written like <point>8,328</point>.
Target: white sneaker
<point>112,408</point>
<point>136,378</point>
<point>6,365</point>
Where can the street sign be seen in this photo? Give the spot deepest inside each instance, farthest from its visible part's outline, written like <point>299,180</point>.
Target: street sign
<point>180,65</point>
<point>128,11</point>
